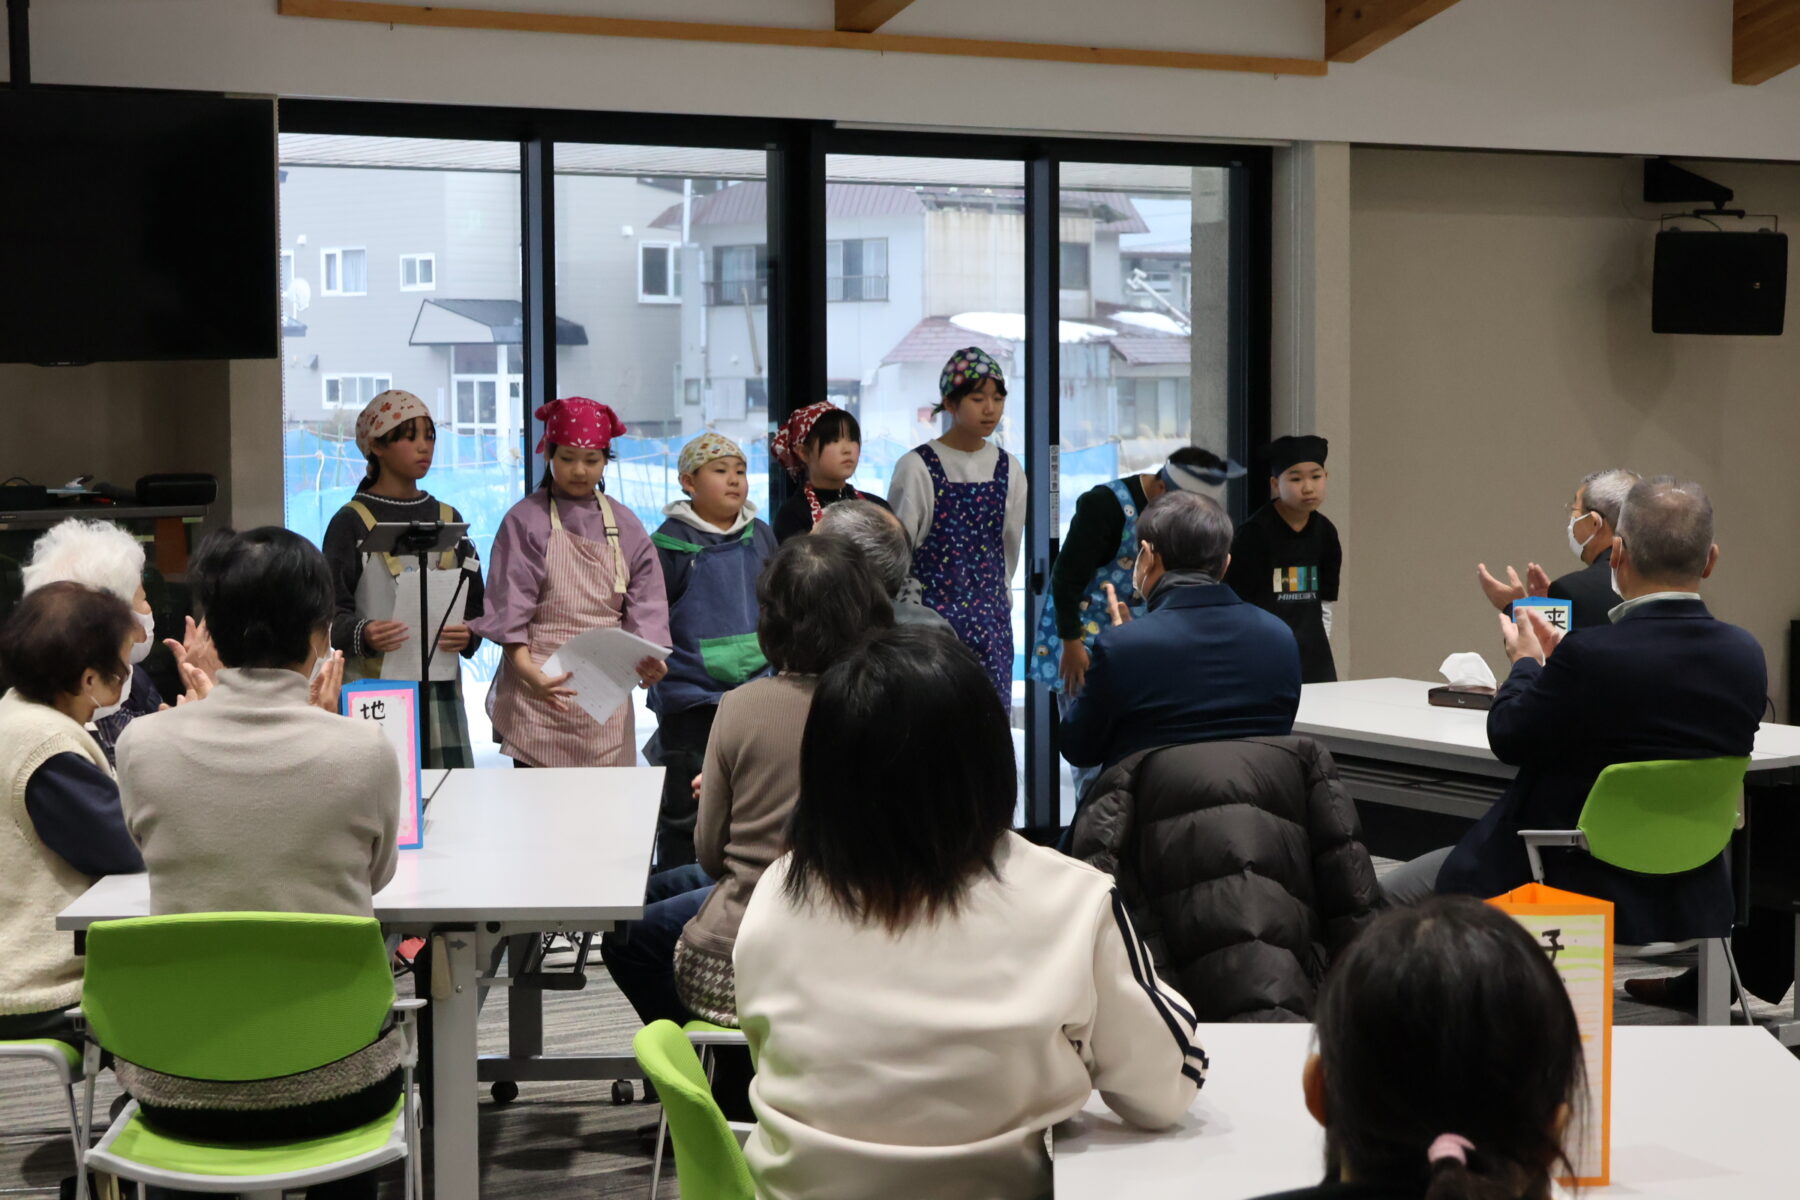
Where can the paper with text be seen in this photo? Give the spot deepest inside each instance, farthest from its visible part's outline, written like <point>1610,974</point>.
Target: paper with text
<point>394,707</point>
<point>603,664</point>
<point>443,588</point>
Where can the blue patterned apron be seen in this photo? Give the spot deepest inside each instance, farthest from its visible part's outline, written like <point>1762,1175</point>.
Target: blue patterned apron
<point>961,565</point>
<point>1045,663</point>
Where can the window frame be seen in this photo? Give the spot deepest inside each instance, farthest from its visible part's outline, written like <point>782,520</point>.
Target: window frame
<point>672,264</point>
<point>424,256</point>
<point>326,378</point>
<point>863,277</point>
<point>335,256</point>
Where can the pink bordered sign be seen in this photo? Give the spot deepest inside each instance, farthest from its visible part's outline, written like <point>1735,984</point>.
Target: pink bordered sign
<point>395,707</point>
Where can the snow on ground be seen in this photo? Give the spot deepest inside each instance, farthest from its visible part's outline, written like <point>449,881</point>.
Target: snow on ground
<point>1011,327</point>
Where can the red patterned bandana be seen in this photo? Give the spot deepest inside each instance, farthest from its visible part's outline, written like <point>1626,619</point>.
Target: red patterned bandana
<point>579,422</point>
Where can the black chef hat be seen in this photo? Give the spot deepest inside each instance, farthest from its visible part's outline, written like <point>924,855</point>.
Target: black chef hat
<point>1284,452</point>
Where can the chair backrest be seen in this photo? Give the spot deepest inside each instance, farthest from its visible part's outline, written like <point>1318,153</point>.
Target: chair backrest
<point>709,1164</point>
<point>1663,817</point>
<point>236,996</point>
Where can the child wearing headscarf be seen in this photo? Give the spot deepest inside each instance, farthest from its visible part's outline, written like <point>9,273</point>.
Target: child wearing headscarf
<point>712,548</point>
<point>397,437</point>
<point>820,445</point>
<point>961,498</point>
<point>1287,558</point>
<point>568,560</point>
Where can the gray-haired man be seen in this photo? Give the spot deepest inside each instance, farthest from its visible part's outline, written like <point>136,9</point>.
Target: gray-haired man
<point>1593,521</point>
<point>882,539</point>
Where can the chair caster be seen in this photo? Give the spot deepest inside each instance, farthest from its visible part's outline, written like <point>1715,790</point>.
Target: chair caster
<point>622,1092</point>
<point>504,1091</point>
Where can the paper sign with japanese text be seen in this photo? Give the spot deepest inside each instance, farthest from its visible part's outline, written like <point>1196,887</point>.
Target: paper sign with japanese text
<point>395,707</point>
<point>1559,613</point>
<point>1577,933</point>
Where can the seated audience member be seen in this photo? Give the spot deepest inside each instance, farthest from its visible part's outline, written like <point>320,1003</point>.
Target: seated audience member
<point>101,555</point>
<point>1448,1061</point>
<point>63,657</point>
<point>1202,665</point>
<point>817,599</point>
<point>1665,680</point>
<point>877,532</point>
<point>927,992</point>
<point>1593,521</point>
<point>255,800</point>
<point>1242,865</point>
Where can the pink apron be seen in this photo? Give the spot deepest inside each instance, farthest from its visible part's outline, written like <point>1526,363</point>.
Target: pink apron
<point>584,588</point>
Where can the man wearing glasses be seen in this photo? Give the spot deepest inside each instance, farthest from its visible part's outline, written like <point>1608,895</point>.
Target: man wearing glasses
<point>1593,520</point>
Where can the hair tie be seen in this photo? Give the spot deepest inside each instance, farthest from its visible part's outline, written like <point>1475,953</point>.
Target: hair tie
<point>1450,1145</point>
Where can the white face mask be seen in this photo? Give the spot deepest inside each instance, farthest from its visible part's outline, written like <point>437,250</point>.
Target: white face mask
<point>1576,547</point>
<point>141,650</point>
<point>103,711</point>
<point>1137,574</point>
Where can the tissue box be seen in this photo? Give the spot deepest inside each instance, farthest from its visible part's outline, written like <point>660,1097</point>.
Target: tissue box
<point>1446,696</point>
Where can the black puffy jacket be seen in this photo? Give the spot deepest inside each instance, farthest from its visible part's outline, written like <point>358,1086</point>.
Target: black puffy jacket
<point>1242,865</point>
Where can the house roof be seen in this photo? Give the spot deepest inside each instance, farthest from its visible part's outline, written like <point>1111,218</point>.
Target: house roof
<point>479,322</point>
<point>935,339</point>
<point>748,204</point>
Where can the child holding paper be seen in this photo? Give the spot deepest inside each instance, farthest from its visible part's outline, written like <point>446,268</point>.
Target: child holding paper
<point>567,560</point>
<point>820,445</point>
<point>395,433</point>
<point>713,548</point>
<point>1286,559</point>
<point>1448,1062</point>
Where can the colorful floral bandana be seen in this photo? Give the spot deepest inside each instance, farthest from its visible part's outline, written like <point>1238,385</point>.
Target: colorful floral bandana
<point>786,445</point>
<point>579,422</point>
<point>970,364</point>
<point>705,449</point>
<point>385,413</point>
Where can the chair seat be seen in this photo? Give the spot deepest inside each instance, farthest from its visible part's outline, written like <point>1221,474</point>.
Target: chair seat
<point>44,1048</point>
<point>135,1150</point>
<point>1653,949</point>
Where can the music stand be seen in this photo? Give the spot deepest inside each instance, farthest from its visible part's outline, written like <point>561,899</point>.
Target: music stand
<point>421,540</point>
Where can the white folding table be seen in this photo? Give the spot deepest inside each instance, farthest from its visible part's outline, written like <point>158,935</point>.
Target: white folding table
<point>1698,1113</point>
<point>1393,747</point>
<point>506,852</point>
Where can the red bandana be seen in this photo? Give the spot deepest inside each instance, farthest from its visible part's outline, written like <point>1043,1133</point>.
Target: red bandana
<point>579,422</point>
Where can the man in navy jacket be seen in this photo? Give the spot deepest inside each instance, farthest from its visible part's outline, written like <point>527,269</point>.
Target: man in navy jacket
<point>1664,680</point>
<point>1200,666</point>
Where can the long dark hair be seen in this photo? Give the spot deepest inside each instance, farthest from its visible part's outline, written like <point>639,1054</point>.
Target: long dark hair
<point>373,475</point>
<point>1447,1017</point>
<point>906,780</point>
<point>817,598</point>
<point>550,453</point>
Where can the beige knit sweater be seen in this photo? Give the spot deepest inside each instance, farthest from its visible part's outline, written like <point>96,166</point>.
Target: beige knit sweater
<point>38,968</point>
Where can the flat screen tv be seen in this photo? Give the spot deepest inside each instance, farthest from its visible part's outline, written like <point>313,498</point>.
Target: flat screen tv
<point>136,225</point>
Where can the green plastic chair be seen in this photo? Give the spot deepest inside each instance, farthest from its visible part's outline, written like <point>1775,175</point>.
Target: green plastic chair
<point>709,1162</point>
<point>65,1061</point>
<point>237,997</point>
<point>1656,818</point>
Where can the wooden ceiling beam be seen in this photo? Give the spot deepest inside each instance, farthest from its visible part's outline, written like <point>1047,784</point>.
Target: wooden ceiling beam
<point>766,35</point>
<point>866,16</point>
<point>1356,28</point>
<point>1765,39</point>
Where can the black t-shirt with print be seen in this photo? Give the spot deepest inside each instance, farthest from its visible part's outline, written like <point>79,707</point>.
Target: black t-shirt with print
<point>1291,574</point>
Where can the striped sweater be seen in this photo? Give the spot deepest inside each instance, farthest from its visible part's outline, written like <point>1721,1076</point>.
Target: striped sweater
<point>930,1063</point>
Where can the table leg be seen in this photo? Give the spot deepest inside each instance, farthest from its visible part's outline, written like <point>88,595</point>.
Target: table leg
<point>524,1006</point>
<point>1715,984</point>
<point>455,1001</point>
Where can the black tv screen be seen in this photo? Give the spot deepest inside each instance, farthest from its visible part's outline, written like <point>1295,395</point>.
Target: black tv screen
<point>136,225</point>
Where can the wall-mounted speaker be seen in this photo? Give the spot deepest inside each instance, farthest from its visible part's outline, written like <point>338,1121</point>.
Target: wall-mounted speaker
<point>1720,283</point>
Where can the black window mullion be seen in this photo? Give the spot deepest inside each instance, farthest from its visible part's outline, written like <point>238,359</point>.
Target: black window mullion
<point>796,283</point>
<point>1043,385</point>
<point>538,271</point>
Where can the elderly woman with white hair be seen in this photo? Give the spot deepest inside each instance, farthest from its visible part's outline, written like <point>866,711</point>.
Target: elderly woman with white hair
<point>105,557</point>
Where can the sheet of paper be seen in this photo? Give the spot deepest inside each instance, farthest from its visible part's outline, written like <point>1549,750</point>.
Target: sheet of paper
<point>395,708</point>
<point>603,665</point>
<point>442,587</point>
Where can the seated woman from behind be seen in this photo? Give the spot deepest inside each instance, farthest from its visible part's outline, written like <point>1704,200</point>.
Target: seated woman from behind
<point>64,657</point>
<point>1448,1061</point>
<point>256,800</point>
<point>926,991</point>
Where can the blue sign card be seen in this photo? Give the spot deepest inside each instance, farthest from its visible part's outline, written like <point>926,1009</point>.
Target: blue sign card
<point>1559,613</point>
<point>394,705</point>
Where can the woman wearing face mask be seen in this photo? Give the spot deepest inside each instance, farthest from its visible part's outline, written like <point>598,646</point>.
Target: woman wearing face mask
<point>104,556</point>
<point>63,657</point>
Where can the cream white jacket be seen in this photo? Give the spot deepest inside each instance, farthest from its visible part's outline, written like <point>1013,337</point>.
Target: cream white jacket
<point>930,1063</point>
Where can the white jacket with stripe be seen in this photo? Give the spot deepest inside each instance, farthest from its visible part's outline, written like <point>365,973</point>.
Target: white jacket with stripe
<point>931,1062</point>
